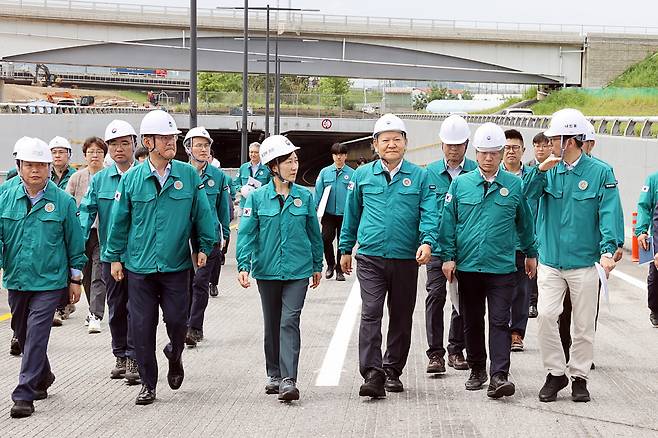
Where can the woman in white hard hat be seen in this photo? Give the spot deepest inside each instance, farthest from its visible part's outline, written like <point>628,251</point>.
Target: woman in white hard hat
<point>121,138</point>
<point>40,269</point>
<point>483,213</point>
<point>216,183</point>
<point>94,150</point>
<point>278,231</point>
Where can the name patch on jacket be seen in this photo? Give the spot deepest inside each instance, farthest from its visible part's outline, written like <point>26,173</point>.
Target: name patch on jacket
<point>611,186</point>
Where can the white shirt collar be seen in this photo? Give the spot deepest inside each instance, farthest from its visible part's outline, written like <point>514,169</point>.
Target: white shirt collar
<point>460,167</point>
<point>153,169</point>
<point>488,179</point>
<point>574,164</point>
<point>393,172</point>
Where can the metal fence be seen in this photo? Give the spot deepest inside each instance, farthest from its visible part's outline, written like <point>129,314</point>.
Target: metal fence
<point>644,127</point>
<point>27,108</point>
<point>321,22</point>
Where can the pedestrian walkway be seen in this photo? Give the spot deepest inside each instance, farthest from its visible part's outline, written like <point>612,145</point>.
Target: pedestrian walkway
<point>223,392</point>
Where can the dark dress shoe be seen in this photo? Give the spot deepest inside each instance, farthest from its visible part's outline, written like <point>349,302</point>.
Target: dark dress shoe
<point>373,385</point>
<point>653,318</point>
<point>146,396</point>
<point>532,312</point>
<point>457,361</point>
<point>329,273</point>
<point>176,373</point>
<point>190,339</point>
<point>477,379</point>
<point>340,276</point>
<point>552,386</point>
<point>22,409</point>
<point>288,390</point>
<point>500,386</point>
<point>579,392</point>
<point>437,364</point>
<point>14,347</point>
<point>41,391</point>
<point>214,292</point>
<point>393,383</point>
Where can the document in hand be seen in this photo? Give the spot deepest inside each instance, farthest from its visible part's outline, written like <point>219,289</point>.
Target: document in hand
<point>323,202</point>
<point>603,279</point>
<point>453,292</point>
<point>647,256</point>
<point>253,182</point>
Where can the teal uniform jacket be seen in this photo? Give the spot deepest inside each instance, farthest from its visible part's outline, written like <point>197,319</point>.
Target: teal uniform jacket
<point>278,242</point>
<point>338,180</point>
<point>262,175</point>
<point>646,204</point>
<point>66,176</point>
<point>578,213</point>
<point>525,172</point>
<point>389,220</point>
<point>10,183</point>
<point>620,217</point>
<point>149,230</point>
<point>217,184</point>
<point>439,181</point>
<point>11,173</point>
<point>479,232</point>
<point>42,243</point>
<point>98,202</point>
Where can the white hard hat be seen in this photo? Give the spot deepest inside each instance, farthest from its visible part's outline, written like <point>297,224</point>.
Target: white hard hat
<point>20,143</point>
<point>590,135</point>
<point>158,122</point>
<point>454,130</point>
<point>389,122</point>
<point>275,146</point>
<point>35,150</point>
<point>60,142</point>
<point>117,129</point>
<point>567,122</point>
<point>489,138</point>
<point>199,131</point>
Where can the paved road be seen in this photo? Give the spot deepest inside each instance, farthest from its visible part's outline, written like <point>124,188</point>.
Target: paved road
<point>223,390</point>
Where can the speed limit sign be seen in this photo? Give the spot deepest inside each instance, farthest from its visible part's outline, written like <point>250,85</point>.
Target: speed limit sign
<point>326,123</point>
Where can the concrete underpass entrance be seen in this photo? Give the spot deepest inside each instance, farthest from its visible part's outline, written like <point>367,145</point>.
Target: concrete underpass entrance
<point>314,153</point>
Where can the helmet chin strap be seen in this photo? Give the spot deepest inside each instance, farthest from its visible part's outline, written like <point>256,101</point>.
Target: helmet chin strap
<point>156,151</point>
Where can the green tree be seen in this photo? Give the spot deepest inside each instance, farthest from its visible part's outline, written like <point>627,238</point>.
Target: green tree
<point>231,82</point>
<point>467,95</point>
<point>437,93</point>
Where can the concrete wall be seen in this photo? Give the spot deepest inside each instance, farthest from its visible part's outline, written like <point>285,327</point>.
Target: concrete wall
<point>607,56</point>
<point>632,158</point>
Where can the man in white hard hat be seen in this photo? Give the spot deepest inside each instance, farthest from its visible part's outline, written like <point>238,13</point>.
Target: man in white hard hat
<point>11,173</point>
<point>157,206</point>
<point>576,228</point>
<point>251,175</point>
<point>215,184</point>
<point>43,253</point>
<point>483,214</point>
<point>454,135</point>
<point>121,139</point>
<point>391,212</point>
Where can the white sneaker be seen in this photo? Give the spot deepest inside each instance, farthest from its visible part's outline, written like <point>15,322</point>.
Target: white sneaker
<point>87,318</point>
<point>94,324</point>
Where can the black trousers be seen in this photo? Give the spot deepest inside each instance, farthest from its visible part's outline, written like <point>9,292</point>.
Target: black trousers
<point>395,281</point>
<point>147,292</point>
<point>652,287</point>
<point>331,225</point>
<point>496,290</point>
<point>200,284</point>
<point>117,305</point>
<point>434,303</point>
<point>534,291</point>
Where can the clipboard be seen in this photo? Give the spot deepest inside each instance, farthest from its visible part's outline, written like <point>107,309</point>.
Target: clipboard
<point>647,256</point>
<point>253,182</point>
<point>323,202</point>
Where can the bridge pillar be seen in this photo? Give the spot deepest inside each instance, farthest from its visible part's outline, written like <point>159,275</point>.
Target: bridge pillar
<point>2,90</point>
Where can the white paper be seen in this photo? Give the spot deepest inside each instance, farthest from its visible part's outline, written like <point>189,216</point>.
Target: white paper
<point>323,201</point>
<point>453,292</point>
<point>604,282</point>
<point>253,182</point>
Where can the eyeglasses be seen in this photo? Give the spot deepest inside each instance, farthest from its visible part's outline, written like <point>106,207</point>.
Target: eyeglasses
<point>512,147</point>
<point>95,153</point>
<point>201,146</point>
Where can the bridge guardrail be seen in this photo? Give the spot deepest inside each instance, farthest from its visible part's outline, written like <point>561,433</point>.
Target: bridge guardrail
<point>296,20</point>
<point>634,126</point>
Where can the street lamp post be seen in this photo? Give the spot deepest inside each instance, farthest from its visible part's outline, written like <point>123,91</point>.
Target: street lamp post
<point>193,64</point>
<point>245,85</point>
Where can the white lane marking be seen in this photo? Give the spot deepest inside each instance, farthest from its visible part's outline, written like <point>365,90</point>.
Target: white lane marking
<point>332,365</point>
<point>629,279</point>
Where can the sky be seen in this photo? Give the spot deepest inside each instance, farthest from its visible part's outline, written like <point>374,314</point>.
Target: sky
<point>587,12</point>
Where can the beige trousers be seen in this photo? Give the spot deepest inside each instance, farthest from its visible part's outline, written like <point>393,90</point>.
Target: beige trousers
<point>583,286</point>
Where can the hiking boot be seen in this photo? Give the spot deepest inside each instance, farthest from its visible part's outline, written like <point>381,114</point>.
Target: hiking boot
<point>58,318</point>
<point>14,347</point>
<point>288,390</point>
<point>340,276</point>
<point>132,372</point>
<point>532,312</point>
<point>552,386</point>
<point>373,385</point>
<point>214,292</point>
<point>190,339</point>
<point>500,386</point>
<point>329,273</point>
<point>517,342</point>
<point>457,361</point>
<point>22,409</point>
<point>579,392</point>
<point>477,379</point>
<point>437,364</point>
<point>393,383</point>
<point>119,370</point>
<point>68,309</point>
<point>653,317</point>
<point>272,385</point>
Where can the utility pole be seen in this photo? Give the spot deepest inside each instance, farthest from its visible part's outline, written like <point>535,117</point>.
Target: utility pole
<point>193,65</point>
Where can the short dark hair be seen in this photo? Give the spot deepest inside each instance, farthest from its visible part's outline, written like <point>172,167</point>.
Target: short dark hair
<point>94,141</point>
<point>338,148</point>
<point>539,138</point>
<point>513,134</point>
<point>141,152</point>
